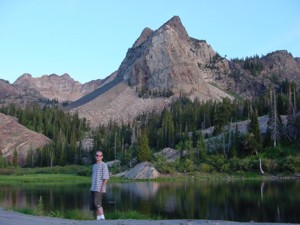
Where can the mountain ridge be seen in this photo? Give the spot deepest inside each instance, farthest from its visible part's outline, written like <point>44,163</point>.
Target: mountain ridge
<point>63,88</point>
<point>166,63</point>
<point>15,137</point>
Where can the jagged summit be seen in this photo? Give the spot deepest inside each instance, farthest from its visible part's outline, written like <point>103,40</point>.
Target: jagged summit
<point>163,63</point>
<point>53,86</point>
<point>24,76</point>
<point>167,61</point>
<point>175,24</point>
<point>65,76</point>
<point>143,37</point>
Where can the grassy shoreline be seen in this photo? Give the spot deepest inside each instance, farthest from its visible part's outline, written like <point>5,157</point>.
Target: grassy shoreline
<point>81,174</point>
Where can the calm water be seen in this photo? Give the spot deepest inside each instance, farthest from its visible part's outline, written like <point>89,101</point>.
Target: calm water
<point>269,201</point>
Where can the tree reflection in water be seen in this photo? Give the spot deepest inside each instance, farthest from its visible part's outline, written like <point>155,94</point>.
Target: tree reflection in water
<point>260,201</point>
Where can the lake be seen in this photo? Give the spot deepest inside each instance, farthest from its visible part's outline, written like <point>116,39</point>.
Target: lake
<point>242,200</point>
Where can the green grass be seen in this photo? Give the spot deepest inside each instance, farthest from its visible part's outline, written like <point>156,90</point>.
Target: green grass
<point>76,215</point>
<point>129,215</point>
<point>81,174</point>
<point>84,215</point>
<point>49,175</point>
<point>72,169</point>
<point>31,177</point>
<point>43,178</point>
<point>70,214</point>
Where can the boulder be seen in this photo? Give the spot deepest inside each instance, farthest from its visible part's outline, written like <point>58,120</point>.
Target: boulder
<point>144,170</point>
<point>169,154</point>
<point>113,163</point>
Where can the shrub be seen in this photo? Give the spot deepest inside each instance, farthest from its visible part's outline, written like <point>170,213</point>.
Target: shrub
<point>116,168</point>
<point>185,166</point>
<point>3,161</point>
<point>205,168</point>
<point>226,167</point>
<point>273,153</point>
<point>39,210</point>
<point>270,165</point>
<point>216,161</point>
<point>163,166</point>
<point>249,164</point>
<point>234,164</point>
<point>292,164</point>
<point>84,172</point>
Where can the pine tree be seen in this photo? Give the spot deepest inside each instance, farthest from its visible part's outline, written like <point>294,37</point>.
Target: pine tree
<point>253,138</point>
<point>168,128</point>
<point>144,153</point>
<point>15,158</point>
<point>253,127</point>
<point>189,147</point>
<point>30,158</point>
<point>222,116</point>
<point>201,147</point>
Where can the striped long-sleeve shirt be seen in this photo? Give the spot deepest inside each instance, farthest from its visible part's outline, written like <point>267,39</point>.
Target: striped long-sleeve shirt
<point>99,173</point>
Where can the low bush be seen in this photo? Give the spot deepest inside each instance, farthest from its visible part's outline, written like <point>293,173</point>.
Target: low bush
<point>270,165</point>
<point>292,164</point>
<point>186,165</point>
<point>205,168</point>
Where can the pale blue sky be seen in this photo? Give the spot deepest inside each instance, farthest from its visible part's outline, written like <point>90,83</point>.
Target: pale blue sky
<point>89,38</point>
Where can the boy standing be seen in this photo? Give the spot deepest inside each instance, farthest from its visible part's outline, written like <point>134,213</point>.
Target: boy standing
<point>100,175</point>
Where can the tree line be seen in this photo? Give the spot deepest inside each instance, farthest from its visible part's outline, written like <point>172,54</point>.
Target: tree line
<point>201,131</point>
<point>63,128</point>
<point>183,126</point>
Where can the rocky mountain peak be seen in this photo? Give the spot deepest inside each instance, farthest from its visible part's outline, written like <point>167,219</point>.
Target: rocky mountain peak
<point>281,62</point>
<point>66,75</point>
<point>23,77</point>
<point>143,37</point>
<point>163,64</point>
<point>53,86</point>
<point>175,24</point>
<point>167,61</point>
<point>280,55</point>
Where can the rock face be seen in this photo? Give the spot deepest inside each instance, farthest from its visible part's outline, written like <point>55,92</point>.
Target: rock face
<point>169,154</point>
<point>18,95</point>
<point>143,170</point>
<point>163,61</point>
<point>168,60</point>
<point>63,88</point>
<point>6,89</point>
<point>274,67</point>
<point>281,62</point>
<point>14,136</point>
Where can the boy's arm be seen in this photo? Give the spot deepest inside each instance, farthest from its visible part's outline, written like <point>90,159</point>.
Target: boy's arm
<point>103,185</point>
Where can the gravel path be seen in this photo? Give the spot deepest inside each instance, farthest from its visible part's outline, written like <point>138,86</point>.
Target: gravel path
<point>15,218</point>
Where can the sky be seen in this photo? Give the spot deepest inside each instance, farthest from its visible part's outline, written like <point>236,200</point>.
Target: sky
<point>88,39</point>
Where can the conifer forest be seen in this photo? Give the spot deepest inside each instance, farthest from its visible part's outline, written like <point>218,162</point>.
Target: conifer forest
<point>207,135</point>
